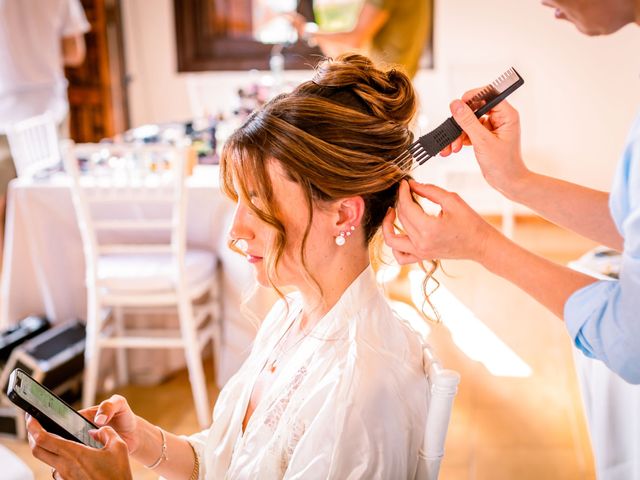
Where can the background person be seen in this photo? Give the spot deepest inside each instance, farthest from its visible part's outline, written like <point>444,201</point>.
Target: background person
<point>392,32</point>
<point>37,39</point>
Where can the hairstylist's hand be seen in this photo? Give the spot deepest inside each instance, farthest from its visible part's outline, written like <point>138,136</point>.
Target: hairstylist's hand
<point>116,413</point>
<point>74,461</point>
<point>456,232</point>
<point>495,139</point>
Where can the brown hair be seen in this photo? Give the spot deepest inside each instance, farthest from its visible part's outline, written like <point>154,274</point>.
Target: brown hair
<point>337,136</point>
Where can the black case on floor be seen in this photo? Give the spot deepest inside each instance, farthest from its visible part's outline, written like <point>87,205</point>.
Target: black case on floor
<point>54,358</point>
<point>19,333</point>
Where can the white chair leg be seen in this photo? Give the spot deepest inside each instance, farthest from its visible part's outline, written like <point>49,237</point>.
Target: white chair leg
<point>216,343</point>
<point>215,298</point>
<point>193,356</point>
<point>91,351</point>
<point>121,352</point>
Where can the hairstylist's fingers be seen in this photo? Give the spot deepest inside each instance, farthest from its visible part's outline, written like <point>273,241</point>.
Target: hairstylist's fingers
<point>408,208</point>
<point>468,122</point>
<point>431,192</point>
<point>446,151</point>
<point>419,226</point>
<point>469,94</point>
<point>503,114</point>
<point>404,258</point>
<point>457,144</point>
<point>388,229</point>
<point>397,241</point>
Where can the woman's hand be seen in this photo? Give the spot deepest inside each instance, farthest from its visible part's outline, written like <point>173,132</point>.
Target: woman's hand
<point>496,142</point>
<point>116,413</point>
<point>456,232</point>
<point>74,461</point>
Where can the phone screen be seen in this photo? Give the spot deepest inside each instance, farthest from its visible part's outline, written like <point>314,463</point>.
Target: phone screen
<point>55,409</point>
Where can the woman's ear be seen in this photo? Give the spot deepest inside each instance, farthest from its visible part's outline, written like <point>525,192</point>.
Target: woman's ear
<point>349,213</point>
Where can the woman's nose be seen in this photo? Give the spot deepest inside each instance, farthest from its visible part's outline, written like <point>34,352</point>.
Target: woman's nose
<point>240,227</point>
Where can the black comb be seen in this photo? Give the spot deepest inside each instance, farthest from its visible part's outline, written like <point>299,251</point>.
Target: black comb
<point>433,142</point>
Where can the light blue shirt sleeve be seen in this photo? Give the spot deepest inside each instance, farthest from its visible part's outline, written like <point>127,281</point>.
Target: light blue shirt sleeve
<point>603,318</point>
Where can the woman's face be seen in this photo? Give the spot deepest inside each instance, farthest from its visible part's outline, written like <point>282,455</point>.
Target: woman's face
<point>254,236</point>
<point>594,17</point>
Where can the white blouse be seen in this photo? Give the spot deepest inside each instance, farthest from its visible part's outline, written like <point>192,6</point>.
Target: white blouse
<point>350,401</point>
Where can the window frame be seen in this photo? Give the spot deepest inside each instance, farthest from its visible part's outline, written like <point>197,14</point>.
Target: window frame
<point>199,48</point>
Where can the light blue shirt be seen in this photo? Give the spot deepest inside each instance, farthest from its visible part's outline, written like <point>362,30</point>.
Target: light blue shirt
<point>604,318</point>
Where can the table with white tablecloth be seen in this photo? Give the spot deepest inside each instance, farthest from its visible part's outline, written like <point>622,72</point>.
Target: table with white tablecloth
<point>43,264</point>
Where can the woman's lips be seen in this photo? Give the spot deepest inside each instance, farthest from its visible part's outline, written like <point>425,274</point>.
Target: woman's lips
<point>253,258</point>
<point>560,14</point>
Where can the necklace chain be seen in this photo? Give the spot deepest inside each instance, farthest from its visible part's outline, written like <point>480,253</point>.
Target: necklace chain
<point>274,363</point>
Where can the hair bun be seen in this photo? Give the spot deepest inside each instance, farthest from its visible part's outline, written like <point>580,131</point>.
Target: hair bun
<point>389,95</point>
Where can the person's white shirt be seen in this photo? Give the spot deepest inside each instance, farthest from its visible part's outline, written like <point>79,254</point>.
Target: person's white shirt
<point>349,402</point>
<point>32,77</point>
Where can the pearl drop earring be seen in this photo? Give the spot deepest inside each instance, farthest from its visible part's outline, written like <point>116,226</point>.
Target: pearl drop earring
<point>342,238</point>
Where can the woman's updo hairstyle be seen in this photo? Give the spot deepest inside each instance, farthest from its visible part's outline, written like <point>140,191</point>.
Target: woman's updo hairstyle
<point>337,136</point>
<point>387,95</point>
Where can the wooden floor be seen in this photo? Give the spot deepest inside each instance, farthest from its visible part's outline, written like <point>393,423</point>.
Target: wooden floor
<point>516,428</point>
<point>502,428</point>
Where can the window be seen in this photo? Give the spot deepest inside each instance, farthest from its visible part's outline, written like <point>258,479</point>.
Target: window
<point>242,34</point>
<point>220,35</point>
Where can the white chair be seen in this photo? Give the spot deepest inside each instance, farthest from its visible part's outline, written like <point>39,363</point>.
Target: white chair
<point>34,145</point>
<point>443,386</point>
<point>133,200</point>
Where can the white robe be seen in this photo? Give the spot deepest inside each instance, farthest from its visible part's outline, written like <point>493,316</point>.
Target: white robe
<point>349,403</point>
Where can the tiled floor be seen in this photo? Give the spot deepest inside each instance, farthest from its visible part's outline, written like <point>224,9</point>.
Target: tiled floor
<point>502,428</point>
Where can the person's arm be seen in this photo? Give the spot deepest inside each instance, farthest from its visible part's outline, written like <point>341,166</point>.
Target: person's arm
<point>74,25</point>
<point>459,232</point>
<point>73,50</point>
<point>179,462</point>
<point>574,207</point>
<point>370,21</point>
<point>496,144</point>
<point>601,316</point>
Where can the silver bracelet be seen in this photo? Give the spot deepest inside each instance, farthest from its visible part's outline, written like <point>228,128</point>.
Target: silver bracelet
<point>163,455</point>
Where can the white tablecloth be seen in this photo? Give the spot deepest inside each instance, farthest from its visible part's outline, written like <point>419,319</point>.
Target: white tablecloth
<point>43,263</point>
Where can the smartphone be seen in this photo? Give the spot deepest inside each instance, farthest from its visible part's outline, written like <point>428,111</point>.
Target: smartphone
<point>53,413</point>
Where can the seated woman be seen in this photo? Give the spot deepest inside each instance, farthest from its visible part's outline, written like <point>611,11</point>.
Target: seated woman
<point>334,386</point>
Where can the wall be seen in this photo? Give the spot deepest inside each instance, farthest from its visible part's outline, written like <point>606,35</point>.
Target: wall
<point>580,94</point>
